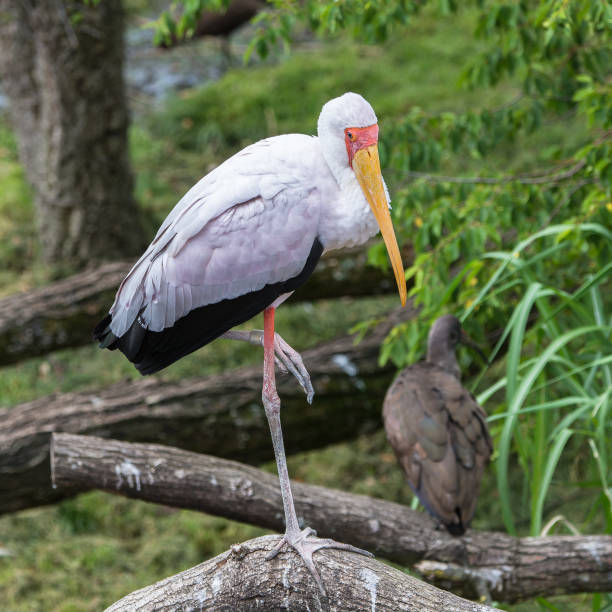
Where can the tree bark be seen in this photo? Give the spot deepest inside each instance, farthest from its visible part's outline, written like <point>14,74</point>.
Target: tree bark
<point>242,579</point>
<point>63,314</point>
<point>61,65</point>
<point>505,567</point>
<point>220,415</point>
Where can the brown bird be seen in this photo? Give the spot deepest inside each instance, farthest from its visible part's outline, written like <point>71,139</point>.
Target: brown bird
<point>438,430</point>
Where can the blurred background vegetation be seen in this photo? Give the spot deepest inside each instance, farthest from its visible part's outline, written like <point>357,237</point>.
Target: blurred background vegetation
<point>496,126</point>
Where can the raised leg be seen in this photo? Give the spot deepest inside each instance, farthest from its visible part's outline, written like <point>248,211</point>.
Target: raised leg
<point>303,542</point>
<point>287,358</point>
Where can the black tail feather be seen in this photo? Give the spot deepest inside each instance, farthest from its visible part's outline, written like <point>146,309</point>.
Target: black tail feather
<point>103,334</point>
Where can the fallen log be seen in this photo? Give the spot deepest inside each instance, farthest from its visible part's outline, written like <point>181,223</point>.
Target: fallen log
<point>60,315</point>
<point>242,579</point>
<point>503,567</point>
<point>219,415</point>
<point>63,314</point>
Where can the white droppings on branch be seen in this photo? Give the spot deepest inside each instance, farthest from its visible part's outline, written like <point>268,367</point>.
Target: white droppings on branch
<point>592,548</point>
<point>349,368</point>
<point>180,474</point>
<point>131,474</point>
<point>492,577</point>
<point>371,581</point>
<point>202,596</point>
<point>96,401</point>
<point>288,567</point>
<point>242,486</point>
<point>217,581</point>
<point>345,364</point>
<point>374,525</point>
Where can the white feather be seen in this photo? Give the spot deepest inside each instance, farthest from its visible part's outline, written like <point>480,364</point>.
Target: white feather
<point>252,221</point>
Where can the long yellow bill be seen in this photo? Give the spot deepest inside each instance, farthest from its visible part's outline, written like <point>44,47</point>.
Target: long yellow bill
<point>366,165</point>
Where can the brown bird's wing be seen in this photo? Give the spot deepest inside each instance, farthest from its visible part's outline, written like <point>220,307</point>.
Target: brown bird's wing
<point>440,438</point>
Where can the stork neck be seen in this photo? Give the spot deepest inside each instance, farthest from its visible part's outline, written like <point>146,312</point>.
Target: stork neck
<point>443,355</point>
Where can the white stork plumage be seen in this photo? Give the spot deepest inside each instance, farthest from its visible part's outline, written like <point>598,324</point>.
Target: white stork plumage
<point>240,241</point>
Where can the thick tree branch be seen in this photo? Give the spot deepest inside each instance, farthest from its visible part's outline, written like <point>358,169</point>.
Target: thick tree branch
<point>220,415</point>
<point>242,579</point>
<point>508,568</point>
<point>63,314</point>
<point>60,315</point>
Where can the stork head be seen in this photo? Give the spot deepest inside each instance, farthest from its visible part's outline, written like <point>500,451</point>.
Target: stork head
<point>348,130</point>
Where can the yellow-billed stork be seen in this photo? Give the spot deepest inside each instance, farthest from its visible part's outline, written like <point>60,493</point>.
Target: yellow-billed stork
<point>240,242</point>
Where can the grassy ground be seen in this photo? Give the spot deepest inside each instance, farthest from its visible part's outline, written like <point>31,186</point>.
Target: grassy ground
<point>85,553</point>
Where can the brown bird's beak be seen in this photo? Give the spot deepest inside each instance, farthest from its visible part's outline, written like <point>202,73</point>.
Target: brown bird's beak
<point>366,165</point>
<point>467,341</point>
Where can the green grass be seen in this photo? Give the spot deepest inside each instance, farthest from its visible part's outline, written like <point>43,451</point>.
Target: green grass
<point>17,234</point>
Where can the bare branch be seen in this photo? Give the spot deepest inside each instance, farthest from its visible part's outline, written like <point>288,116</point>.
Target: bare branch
<point>509,568</point>
<point>242,579</point>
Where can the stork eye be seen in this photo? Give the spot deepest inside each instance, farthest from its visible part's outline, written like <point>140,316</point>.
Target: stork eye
<point>350,136</point>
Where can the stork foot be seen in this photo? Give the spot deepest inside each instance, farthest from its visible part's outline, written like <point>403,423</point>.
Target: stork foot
<point>289,359</point>
<point>305,543</point>
<point>285,357</point>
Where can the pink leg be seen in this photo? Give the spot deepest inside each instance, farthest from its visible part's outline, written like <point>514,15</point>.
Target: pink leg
<point>303,542</point>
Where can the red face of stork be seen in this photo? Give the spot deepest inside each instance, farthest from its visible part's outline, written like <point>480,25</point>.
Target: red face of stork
<point>362,149</point>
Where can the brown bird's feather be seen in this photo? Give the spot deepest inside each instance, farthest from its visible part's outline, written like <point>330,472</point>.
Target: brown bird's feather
<point>440,437</point>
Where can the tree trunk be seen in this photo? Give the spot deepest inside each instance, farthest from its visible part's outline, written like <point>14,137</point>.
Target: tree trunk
<point>61,65</point>
<point>220,415</point>
<point>242,579</point>
<point>478,563</point>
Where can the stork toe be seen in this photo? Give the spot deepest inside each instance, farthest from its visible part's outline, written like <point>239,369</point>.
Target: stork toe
<point>306,543</point>
<point>293,362</point>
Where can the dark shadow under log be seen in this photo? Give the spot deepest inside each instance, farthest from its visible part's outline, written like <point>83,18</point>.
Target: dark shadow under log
<point>241,579</point>
<point>505,567</point>
<point>220,415</point>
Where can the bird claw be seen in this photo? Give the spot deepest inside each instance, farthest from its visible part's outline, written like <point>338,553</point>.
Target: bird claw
<point>291,361</point>
<point>305,543</point>
<point>286,358</point>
